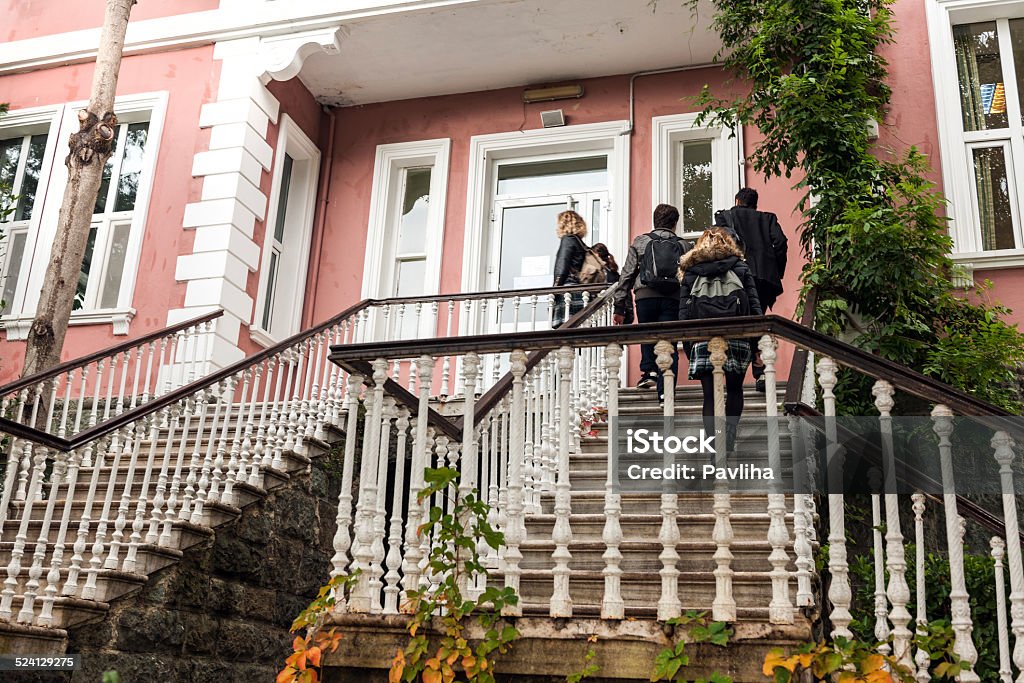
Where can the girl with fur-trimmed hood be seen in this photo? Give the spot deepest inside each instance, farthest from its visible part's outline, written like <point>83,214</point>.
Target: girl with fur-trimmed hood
<point>714,256</point>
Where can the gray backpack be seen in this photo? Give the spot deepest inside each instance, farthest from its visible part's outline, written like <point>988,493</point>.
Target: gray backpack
<point>720,296</point>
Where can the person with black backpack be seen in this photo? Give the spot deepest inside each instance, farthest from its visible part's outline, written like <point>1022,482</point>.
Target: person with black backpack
<point>715,282</point>
<point>649,276</point>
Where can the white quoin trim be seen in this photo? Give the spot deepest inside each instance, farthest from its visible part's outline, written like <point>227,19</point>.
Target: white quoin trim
<point>384,199</point>
<point>485,150</point>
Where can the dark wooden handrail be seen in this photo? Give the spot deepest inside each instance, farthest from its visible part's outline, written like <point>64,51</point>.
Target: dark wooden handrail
<point>82,361</point>
<point>965,506</point>
<point>901,377</point>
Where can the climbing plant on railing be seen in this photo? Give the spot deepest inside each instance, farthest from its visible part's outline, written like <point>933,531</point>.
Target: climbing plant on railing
<point>671,663</point>
<point>439,648</point>
<point>877,246</point>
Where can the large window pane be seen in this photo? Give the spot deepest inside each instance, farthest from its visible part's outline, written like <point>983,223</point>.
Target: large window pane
<point>553,177</point>
<point>1017,40</point>
<point>980,70</point>
<point>282,198</point>
<point>83,275</point>
<point>696,185</point>
<point>108,171</point>
<point>412,226</point>
<point>131,166</point>
<point>10,283</point>
<point>409,279</point>
<point>115,265</point>
<point>268,301</point>
<point>10,152</point>
<point>30,179</point>
<point>994,211</point>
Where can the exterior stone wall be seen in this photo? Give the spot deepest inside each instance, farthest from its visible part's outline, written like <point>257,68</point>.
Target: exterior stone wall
<point>223,613</point>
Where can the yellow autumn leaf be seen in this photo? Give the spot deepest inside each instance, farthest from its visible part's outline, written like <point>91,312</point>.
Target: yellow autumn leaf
<point>431,676</point>
<point>872,663</point>
<point>775,659</point>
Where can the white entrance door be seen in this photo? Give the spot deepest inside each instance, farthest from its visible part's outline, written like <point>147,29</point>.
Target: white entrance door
<point>529,196</point>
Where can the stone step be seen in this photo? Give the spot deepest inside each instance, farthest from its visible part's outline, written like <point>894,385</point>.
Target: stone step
<point>590,527</point>
<point>643,589</point>
<point>592,502</point>
<point>642,556</point>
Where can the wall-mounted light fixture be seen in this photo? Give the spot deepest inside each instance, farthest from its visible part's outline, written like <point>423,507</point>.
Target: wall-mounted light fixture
<point>562,92</point>
<point>552,119</point>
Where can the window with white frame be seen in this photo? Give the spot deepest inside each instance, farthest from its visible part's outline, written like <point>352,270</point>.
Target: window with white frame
<point>110,264</point>
<point>990,73</point>
<point>21,164</point>
<point>697,169</point>
<point>103,266</point>
<point>288,234</point>
<point>403,248</point>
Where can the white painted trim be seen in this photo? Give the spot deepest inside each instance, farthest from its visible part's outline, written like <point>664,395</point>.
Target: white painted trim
<point>954,144</point>
<point>20,122</point>
<point>390,160</point>
<point>129,108</point>
<point>608,136</point>
<point>291,140</point>
<point>991,260</point>
<point>17,327</point>
<point>231,21</point>
<point>728,161</point>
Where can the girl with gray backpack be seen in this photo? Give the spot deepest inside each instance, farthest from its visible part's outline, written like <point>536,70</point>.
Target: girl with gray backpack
<point>715,282</point>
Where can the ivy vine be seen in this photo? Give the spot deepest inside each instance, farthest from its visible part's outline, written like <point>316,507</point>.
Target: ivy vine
<point>874,236</point>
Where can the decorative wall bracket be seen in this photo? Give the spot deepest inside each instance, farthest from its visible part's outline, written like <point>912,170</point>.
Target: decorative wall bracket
<point>283,55</point>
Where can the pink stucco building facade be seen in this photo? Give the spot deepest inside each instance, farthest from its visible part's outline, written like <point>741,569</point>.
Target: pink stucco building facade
<point>282,161</point>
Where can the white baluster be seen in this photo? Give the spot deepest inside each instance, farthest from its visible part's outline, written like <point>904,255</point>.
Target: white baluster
<point>390,412</point>
<point>921,657</point>
<point>343,532</point>
<point>362,598</point>
<point>878,560</point>
<point>669,605</point>
<point>839,593</point>
<point>723,608</point>
<point>802,519</point>
<point>35,572</point>
<point>1002,444</point>
<point>897,591</point>
<point>780,611</point>
<point>561,602</point>
<point>612,605</point>
<point>998,552</point>
<point>960,606</point>
<point>394,555</point>
<point>446,364</point>
<point>420,461</point>
<point>515,525</point>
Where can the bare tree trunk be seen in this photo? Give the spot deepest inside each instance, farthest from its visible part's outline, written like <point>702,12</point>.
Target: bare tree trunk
<point>90,147</point>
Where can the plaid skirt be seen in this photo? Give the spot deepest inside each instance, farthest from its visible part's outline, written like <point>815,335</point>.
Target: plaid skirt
<point>739,355</point>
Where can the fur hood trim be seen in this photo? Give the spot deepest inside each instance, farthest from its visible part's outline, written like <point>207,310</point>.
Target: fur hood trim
<point>706,253</point>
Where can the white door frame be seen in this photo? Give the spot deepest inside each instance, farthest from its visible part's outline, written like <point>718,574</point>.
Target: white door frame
<point>486,150</point>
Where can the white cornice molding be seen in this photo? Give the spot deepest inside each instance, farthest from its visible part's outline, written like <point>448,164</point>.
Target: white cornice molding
<point>283,56</point>
<point>256,19</point>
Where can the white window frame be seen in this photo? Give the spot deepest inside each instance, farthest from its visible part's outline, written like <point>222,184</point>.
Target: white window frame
<point>727,160</point>
<point>486,150</point>
<point>130,108</point>
<point>19,123</point>
<point>291,140</point>
<point>391,160</point>
<point>956,146</point>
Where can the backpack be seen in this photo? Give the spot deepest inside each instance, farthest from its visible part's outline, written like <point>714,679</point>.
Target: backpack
<point>592,270</point>
<point>659,264</point>
<point>718,296</point>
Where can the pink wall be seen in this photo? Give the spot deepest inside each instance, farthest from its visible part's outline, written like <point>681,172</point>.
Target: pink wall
<point>190,77</point>
<point>32,18</point>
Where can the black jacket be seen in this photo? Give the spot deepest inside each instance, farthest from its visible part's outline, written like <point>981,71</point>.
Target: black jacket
<point>710,269</point>
<point>764,244</point>
<point>569,260</point>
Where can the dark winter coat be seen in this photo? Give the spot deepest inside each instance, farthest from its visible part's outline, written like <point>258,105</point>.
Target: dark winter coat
<point>764,245</point>
<point>569,260</point>
<point>630,275</point>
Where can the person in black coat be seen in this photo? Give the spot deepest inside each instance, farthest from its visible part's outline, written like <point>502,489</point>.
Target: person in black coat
<point>759,236</point>
<point>570,229</point>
